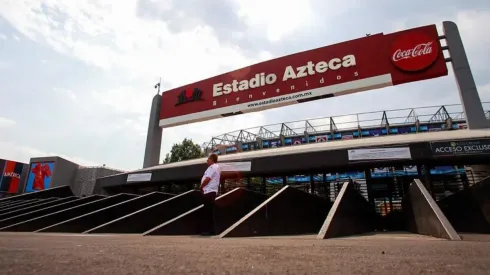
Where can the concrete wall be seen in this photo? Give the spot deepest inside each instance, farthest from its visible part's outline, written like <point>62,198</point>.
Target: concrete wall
<point>63,174</point>
<point>86,177</point>
<point>81,179</point>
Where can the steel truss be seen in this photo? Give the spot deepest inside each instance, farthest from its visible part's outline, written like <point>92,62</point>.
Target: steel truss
<point>388,118</point>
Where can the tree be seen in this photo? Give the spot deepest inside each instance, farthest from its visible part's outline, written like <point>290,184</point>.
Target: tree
<point>183,151</point>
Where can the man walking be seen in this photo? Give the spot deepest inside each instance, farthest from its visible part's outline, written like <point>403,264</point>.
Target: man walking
<point>209,188</point>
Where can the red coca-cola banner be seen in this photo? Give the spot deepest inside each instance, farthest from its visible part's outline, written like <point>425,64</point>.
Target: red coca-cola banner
<point>370,62</point>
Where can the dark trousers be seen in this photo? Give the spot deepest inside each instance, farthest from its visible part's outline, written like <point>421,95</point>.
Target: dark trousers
<point>207,219</point>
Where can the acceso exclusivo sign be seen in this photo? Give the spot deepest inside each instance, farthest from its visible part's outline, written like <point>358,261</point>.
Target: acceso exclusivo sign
<point>452,148</point>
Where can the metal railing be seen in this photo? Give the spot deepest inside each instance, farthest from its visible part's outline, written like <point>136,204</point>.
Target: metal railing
<point>377,119</point>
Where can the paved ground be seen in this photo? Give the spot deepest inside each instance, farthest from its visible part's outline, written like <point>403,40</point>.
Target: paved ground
<point>115,254</point>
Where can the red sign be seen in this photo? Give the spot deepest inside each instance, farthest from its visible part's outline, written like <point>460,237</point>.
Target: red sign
<point>414,52</point>
<point>9,180</point>
<point>370,62</point>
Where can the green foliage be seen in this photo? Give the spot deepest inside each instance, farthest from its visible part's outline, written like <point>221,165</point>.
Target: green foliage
<point>183,151</point>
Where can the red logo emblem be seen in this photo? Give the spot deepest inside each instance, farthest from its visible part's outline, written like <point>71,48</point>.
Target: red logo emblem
<point>414,52</point>
<point>189,95</point>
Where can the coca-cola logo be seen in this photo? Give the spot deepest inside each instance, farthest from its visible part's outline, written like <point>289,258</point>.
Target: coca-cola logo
<point>414,51</point>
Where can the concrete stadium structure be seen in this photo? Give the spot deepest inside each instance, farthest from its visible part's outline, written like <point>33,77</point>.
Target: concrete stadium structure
<point>338,183</point>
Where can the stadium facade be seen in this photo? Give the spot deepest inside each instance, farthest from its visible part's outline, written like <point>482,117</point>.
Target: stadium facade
<point>429,176</point>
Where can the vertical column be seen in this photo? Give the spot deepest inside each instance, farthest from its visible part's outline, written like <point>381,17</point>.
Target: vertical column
<point>154,135</point>
<point>326,186</point>
<point>470,100</point>
<point>428,179</point>
<point>369,187</point>
<point>264,186</point>
<point>312,184</point>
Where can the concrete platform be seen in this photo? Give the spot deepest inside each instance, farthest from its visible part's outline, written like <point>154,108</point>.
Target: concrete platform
<point>149,217</point>
<point>65,214</point>
<point>98,217</point>
<point>424,216</point>
<point>24,204</point>
<point>55,192</point>
<point>395,235</point>
<point>288,212</point>
<point>35,207</point>
<point>230,208</point>
<point>12,203</point>
<point>469,210</point>
<point>350,214</point>
<point>47,210</point>
<point>130,254</point>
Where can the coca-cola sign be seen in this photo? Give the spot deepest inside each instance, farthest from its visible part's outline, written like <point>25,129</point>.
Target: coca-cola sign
<point>414,52</point>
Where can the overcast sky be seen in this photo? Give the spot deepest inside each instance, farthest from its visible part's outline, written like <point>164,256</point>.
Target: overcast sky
<point>76,77</point>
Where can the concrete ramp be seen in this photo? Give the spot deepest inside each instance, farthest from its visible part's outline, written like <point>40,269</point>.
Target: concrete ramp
<point>60,192</point>
<point>288,212</point>
<point>144,219</point>
<point>7,203</point>
<point>47,210</point>
<point>469,210</point>
<point>98,217</point>
<point>24,205</point>
<point>35,207</point>
<point>66,214</point>
<point>351,214</point>
<point>230,208</point>
<point>10,204</point>
<point>423,215</point>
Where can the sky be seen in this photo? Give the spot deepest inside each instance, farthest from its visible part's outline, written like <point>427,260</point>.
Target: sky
<point>77,76</point>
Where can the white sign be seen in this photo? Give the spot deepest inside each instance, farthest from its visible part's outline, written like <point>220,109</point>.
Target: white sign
<point>261,79</point>
<point>244,166</point>
<point>380,153</point>
<point>419,50</point>
<point>139,177</point>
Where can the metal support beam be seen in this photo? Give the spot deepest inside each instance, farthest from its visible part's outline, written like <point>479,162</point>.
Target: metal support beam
<point>475,116</point>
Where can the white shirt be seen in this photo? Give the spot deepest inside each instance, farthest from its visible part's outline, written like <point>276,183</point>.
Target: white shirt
<point>213,172</point>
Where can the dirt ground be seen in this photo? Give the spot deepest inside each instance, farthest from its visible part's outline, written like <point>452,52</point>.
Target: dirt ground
<point>130,254</point>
